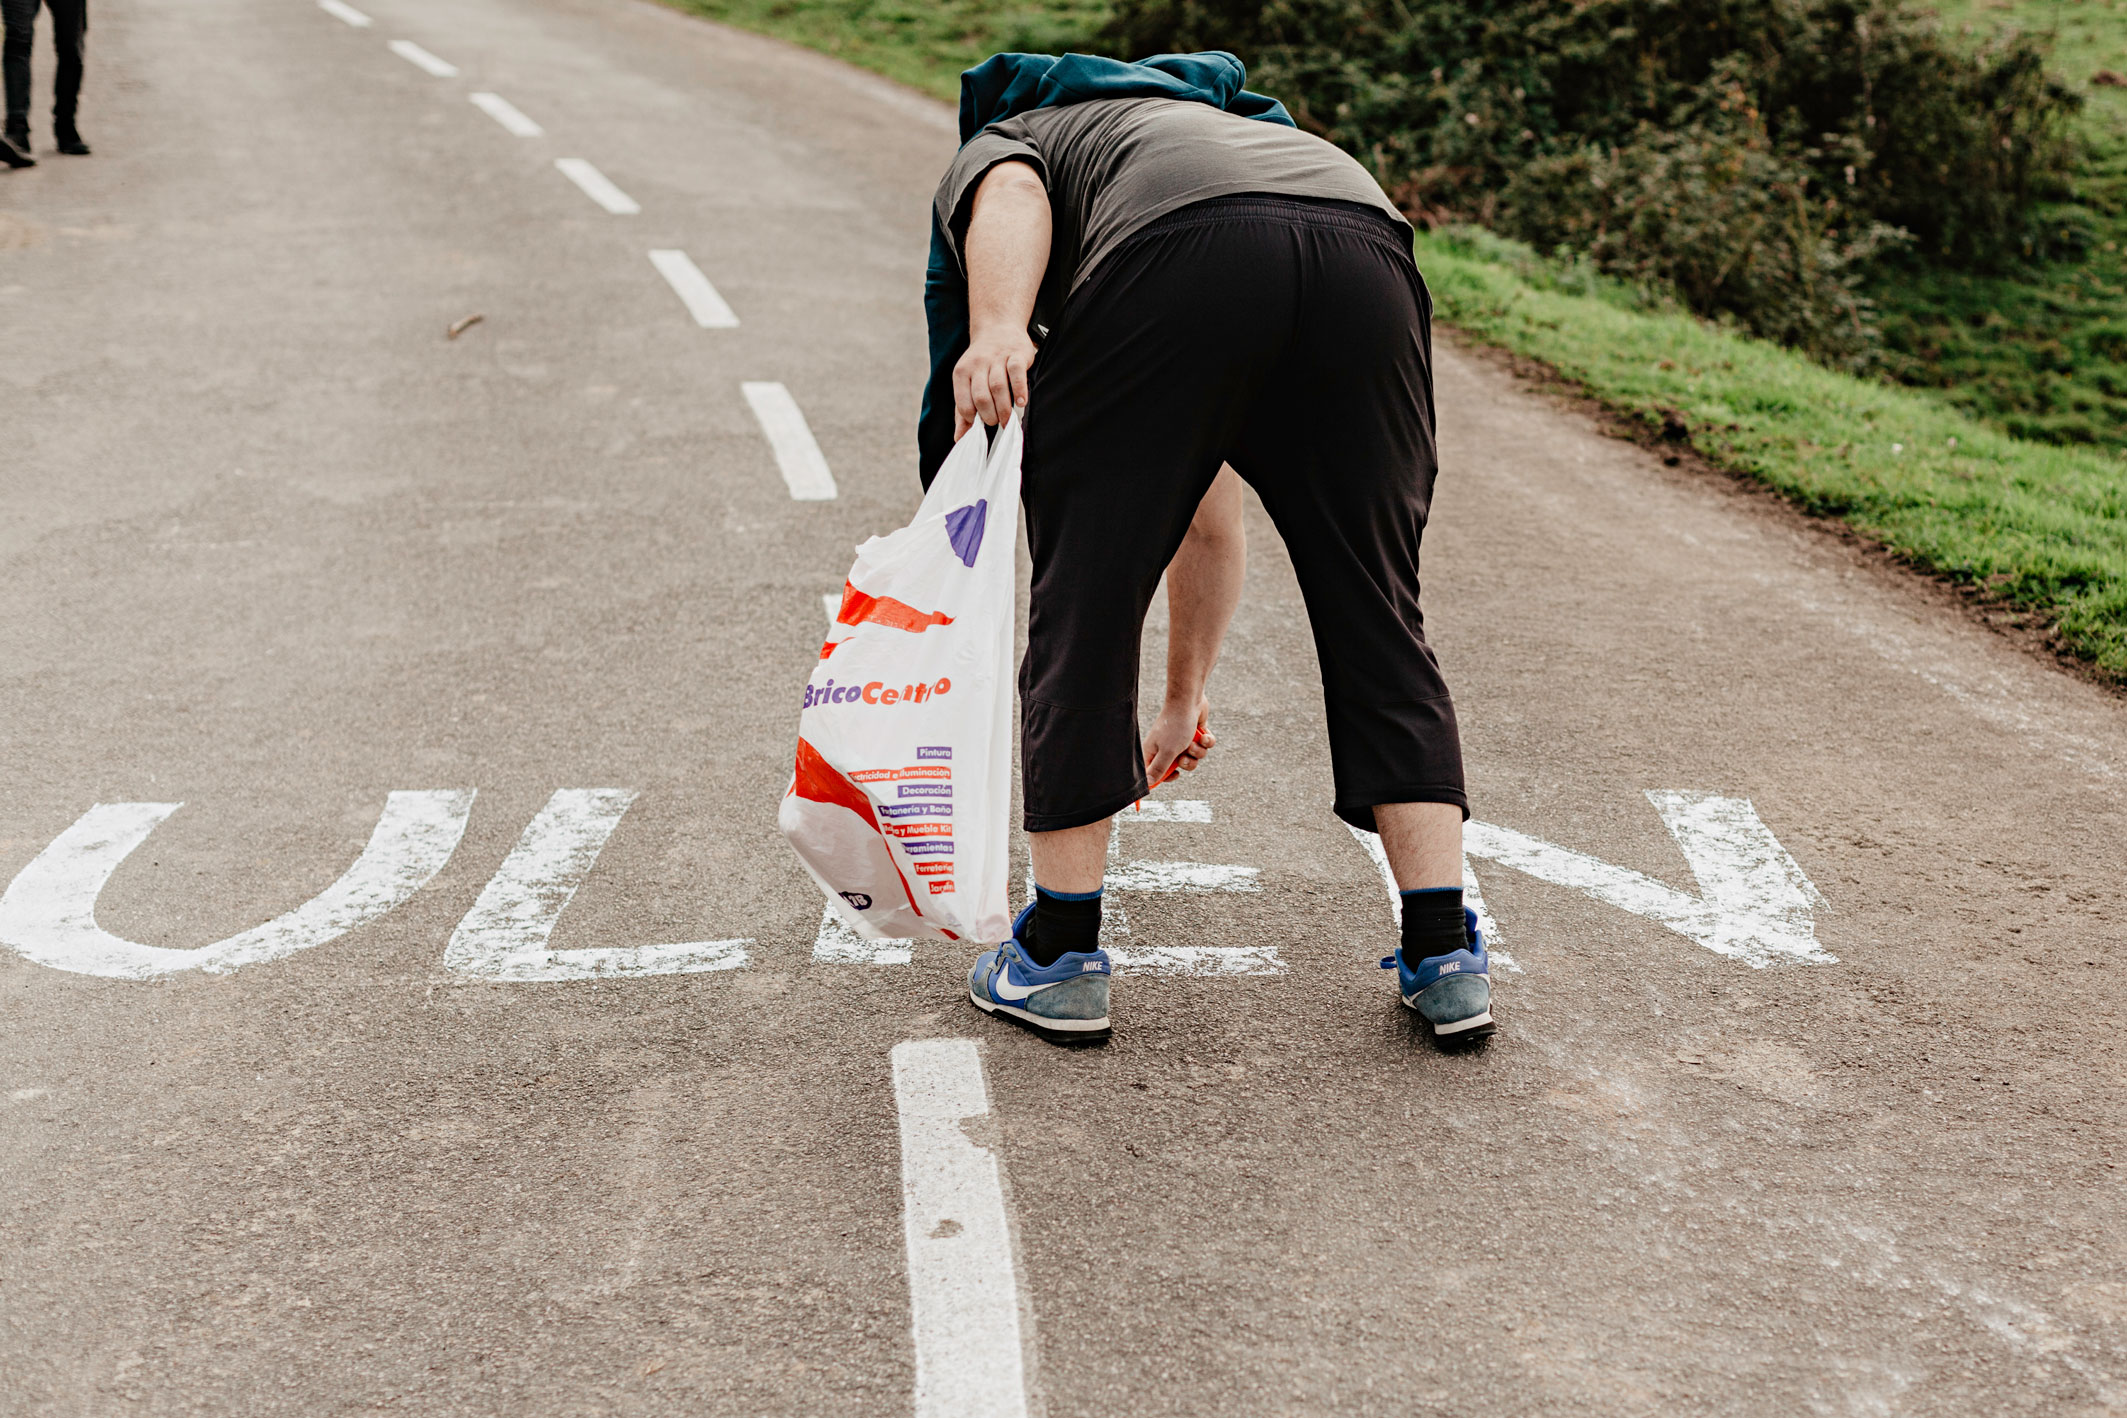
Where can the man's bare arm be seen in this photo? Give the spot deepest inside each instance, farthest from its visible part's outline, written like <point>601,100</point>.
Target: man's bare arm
<point>1203,589</point>
<point>1007,248</point>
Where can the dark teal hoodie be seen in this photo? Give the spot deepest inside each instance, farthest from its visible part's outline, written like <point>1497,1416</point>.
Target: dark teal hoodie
<point>1007,84</point>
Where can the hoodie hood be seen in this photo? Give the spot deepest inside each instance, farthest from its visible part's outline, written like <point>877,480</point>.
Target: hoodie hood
<point>1007,84</point>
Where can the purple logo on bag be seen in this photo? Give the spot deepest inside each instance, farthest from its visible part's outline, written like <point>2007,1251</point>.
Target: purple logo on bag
<point>924,790</point>
<point>963,528</point>
<point>923,753</point>
<point>893,810</point>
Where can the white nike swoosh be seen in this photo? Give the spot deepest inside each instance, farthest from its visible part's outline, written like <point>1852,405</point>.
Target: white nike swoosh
<point>1002,987</point>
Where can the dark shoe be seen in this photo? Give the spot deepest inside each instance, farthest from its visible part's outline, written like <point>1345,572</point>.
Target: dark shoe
<point>12,156</point>
<point>1451,992</point>
<point>70,143</point>
<point>1066,1000</point>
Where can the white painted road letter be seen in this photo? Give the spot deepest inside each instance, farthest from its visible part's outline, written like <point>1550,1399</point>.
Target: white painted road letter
<point>837,943</point>
<point>504,936</point>
<point>1756,904</point>
<point>1173,877</point>
<point>49,913</point>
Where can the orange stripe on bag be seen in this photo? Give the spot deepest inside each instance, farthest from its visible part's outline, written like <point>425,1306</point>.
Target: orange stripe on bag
<point>860,609</point>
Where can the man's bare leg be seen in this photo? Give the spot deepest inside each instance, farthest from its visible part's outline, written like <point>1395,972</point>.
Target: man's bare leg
<point>1423,842</point>
<point>1073,860</point>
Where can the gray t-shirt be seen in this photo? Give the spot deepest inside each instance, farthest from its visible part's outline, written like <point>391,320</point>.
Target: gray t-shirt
<point>1114,165</point>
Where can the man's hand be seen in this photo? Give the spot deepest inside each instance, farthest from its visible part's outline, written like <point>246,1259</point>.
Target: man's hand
<point>991,379</point>
<point>1180,738</point>
<point>1007,249</point>
<point>1203,587</point>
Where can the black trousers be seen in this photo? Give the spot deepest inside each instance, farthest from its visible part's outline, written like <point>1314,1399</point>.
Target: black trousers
<point>70,31</point>
<point>1293,340</point>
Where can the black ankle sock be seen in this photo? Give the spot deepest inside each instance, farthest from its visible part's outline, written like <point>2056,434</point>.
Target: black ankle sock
<point>1063,921</point>
<point>1433,923</point>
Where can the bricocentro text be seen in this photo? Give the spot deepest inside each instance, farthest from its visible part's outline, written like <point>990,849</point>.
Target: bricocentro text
<point>875,692</point>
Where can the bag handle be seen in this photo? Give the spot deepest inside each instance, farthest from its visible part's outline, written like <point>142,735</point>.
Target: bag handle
<point>970,469</point>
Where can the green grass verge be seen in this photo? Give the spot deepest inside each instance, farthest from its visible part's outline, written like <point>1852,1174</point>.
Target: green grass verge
<point>2039,527</point>
<point>2042,351</point>
<point>923,43</point>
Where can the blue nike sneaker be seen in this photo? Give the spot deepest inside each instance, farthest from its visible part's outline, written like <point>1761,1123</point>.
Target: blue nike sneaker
<point>1451,992</point>
<point>1067,1000</point>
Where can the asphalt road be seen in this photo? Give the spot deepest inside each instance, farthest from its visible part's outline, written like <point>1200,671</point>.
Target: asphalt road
<point>272,547</point>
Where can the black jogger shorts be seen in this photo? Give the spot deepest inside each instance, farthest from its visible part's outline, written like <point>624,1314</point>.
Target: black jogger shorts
<point>1291,339</point>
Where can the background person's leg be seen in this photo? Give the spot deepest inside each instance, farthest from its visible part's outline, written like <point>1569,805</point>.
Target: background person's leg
<point>20,20</point>
<point>70,37</point>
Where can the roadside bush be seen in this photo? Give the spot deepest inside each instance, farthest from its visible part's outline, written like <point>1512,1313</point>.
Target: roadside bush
<point>1755,155</point>
<point>1714,213</point>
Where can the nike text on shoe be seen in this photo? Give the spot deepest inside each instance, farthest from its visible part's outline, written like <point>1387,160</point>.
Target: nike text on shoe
<point>1452,992</point>
<point>1067,1001</point>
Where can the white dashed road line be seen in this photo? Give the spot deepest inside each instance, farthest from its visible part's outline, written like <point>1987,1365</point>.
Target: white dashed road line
<point>597,186</point>
<point>796,453</point>
<point>964,1297</point>
<point>345,12</point>
<point>507,114</point>
<point>693,288</point>
<point>414,54</point>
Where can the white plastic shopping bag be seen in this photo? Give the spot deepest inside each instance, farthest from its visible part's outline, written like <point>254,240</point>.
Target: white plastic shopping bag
<point>899,803</point>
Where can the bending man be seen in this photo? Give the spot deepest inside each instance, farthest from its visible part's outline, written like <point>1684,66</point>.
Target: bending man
<point>1208,286</point>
